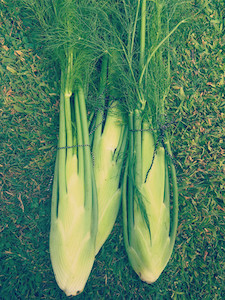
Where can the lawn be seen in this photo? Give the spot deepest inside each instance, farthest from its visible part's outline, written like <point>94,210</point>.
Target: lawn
<point>29,107</point>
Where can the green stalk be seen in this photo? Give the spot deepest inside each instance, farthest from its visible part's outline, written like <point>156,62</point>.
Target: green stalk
<point>102,86</point>
<point>80,150</point>
<point>94,212</point>
<point>151,54</point>
<point>137,149</point>
<point>55,189</point>
<point>103,75</point>
<point>142,48</point>
<point>125,196</point>
<point>130,181</point>
<point>62,143</point>
<point>86,149</point>
<point>67,96</point>
<point>159,60</point>
<point>132,39</point>
<point>143,33</point>
<point>90,200</point>
<point>68,126</point>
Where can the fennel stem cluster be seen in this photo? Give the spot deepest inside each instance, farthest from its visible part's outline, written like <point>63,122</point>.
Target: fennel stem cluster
<point>118,51</point>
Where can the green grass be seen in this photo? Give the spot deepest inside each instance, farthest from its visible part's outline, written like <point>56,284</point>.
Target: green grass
<point>29,109</point>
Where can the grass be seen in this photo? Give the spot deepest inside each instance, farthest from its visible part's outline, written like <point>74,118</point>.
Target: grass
<point>29,128</point>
